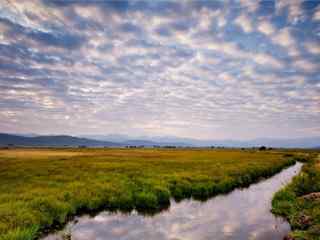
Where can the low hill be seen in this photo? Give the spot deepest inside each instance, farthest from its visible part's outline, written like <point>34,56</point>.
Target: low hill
<point>52,141</point>
<point>148,143</point>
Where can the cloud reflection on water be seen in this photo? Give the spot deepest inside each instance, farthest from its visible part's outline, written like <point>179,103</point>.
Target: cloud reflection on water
<point>242,214</point>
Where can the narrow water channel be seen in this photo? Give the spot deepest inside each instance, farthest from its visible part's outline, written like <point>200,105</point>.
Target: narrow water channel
<point>243,214</point>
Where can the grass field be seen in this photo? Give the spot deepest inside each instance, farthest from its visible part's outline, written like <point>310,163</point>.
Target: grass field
<point>41,189</point>
<point>298,203</point>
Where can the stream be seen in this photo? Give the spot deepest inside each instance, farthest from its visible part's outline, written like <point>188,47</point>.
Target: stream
<point>243,214</point>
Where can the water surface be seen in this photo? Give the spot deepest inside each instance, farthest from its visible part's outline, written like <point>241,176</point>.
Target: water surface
<point>243,214</point>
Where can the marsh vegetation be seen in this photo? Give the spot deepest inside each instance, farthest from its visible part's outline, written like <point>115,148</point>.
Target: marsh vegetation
<point>241,214</point>
<point>41,189</point>
<point>299,202</point>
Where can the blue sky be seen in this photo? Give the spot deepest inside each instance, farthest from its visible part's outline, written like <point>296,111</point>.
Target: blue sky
<point>201,69</point>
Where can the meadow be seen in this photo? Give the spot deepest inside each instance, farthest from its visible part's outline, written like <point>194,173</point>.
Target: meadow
<point>41,189</point>
<point>299,202</point>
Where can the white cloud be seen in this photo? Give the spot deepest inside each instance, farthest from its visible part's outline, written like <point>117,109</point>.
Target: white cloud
<point>232,50</point>
<point>250,6</point>
<point>267,60</point>
<point>227,48</point>
<point>266,27</point>
<point>285,39</point>
<point>205,20</point>
<point>89,12</point>
<point>221,20</point>
<point>295,11</point>
<point>226,77</point>
<point>244,22</point>
<point>312,47</point>
<point>306,65</point>
<point>316,16</point>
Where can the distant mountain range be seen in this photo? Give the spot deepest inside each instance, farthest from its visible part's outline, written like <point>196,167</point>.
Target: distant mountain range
<point>123,140</point>
<point>177,141</point>
<point>52,141</point>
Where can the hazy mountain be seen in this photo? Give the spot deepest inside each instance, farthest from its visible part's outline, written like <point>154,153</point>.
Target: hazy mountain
<point>110,137</point>
<point>148,143</point>
<point>123,140</point>
<point>52,141</point>
<point>177,141</point>
<point>139,141</point>
<point>25,134</point>
<point>287,143</point>
<point>270,142</point>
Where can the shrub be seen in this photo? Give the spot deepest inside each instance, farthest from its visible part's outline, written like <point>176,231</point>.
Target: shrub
<point>22,233</point>
<point>308,182</point>
<point>163,196</point>
<point>145,201</point>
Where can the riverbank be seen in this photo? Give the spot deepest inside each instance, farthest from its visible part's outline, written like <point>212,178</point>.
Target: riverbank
<point>241,214</point>
<point>41,189</point>
<point>299,202</point>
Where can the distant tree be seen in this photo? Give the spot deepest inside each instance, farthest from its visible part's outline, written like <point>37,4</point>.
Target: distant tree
<point>262,148</point>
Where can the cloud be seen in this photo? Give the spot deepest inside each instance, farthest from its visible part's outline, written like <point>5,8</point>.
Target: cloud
<point>250,6</point>
<point>312,47</point>
<point>266,27</point>
<point>265,59</point>
<point>193,68</point>
<point>306,65</point>
<point>244,22</point>
<point>285,39</point>
<point>233,50</point>
<point>316,16</point>
<point>64,40</point>
<point>293,8</point>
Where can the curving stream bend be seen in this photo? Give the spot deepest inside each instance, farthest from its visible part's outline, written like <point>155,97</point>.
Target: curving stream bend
<point>243,214</point>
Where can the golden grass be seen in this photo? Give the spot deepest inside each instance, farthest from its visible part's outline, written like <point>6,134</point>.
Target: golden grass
<point>40,188</point>
<point>37,153</point>
<point>318,162</point>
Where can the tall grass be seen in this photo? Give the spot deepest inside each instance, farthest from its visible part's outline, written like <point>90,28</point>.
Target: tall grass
<point>41,189</point>
<point>293,202</point>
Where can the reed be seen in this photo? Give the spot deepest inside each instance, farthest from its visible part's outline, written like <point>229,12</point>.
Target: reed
<point>41,189</point>
<point>295,203</point>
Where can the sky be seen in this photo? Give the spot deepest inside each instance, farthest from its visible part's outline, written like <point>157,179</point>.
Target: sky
<point>201,69</point>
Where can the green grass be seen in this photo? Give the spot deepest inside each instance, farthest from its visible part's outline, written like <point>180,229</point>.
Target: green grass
<point>302,213</point>
<point>41,189</point>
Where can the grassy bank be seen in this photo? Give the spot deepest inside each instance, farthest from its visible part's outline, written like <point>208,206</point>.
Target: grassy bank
<point>41,189</point>
<point>299,202</point>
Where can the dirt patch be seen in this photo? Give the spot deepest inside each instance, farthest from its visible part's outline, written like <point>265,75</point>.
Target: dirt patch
<point>318,164</point>
<point>311,196</point>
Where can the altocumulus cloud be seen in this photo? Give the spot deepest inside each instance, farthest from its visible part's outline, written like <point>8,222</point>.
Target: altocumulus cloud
<point>204,69</point>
